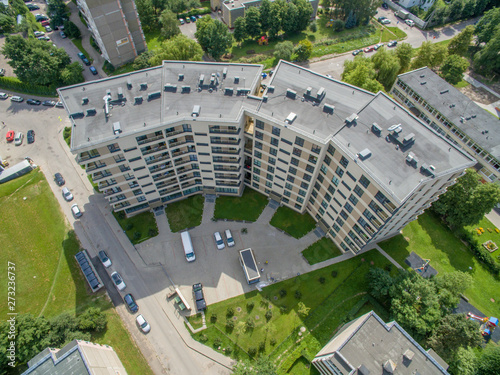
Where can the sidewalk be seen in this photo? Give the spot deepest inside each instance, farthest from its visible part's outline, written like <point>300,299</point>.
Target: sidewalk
<point>266,215</point>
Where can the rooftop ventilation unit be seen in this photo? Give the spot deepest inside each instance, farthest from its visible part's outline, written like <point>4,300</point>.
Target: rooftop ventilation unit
<point>85,101</point>
<point>291,118</point>
<point>120,93</point>
<point>106,99</point>
<point>129,83</point>
<point>154,95</point>
<point>321,94</point>
<point>108,92</point>
<point>270,89</point>
<point>365,154</point>
<point>398,130</point>
<point>352,118</point>
<point>264,98</point>
<point>242,91</point>
<point>444,92</point>
<point>427,170</point>
<point>408,355</point>
<point>91,112</point>
<point>77,115</point>
<point>329,108</point>
<point>144,86</point>
<point>410,138</point>
<point>422,75</point>
<point>224,73</point>
<point>202,78</point>
<point>308,90</point>
<point>170,88</point>
<point>393,127</point>
<point>412,159</point>
<point>138,100</point>
<point>186,89</point>
<point>376,128</point>
<point>212,80</point>
<point>236,79</point>
<point>181,77</point>
<point>291,94</point>
<point>196,111</point>
<point>228,91</point>
<point>423,83</point>
<point>117,129</point>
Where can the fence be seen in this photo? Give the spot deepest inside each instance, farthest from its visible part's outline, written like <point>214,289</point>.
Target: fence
<point>418,22</point>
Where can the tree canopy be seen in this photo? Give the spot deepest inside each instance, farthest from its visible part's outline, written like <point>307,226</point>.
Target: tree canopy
<point>460,43</point>
<point>262,366</point>
<point>180,47</point>
<point>361,72</point>
<point>303,50</point>
<point>169,24</point>
<point>453,68</point>
<point>429,54</point>
<point>283,50</point>
<point>213,36</point>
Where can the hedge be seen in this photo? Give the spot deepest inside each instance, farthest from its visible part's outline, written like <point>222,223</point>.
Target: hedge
<point>194,12</point>
<point>480,252</point>
<point>11,83</point>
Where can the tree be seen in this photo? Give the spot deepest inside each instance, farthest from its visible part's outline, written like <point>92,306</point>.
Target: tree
<point>7,23</point>
<point>283,50</point>
<point>429,54</point>
<point>485,28</point>
<point>92,319</point>
<point>361,73</point>
<point>252,22</point>
<point>465,362</point>
<point>451,286</point>
<point>302,309</point>
<point>303,50</point>
<point>338,25</point>
<point>379,283</point>
<point>213,36</point>
<point>180,47</point>
<point>142,61</point>
<point>304,13</point>
<point>489,361</point>
<point>487,60</point>
<point>169,24</point>
<point>460,43</point>
<point>387,66</point>
<point>72,74</point>
<point>453,68</point>
<point>453,332</point>
<point>177,6</point>
<point>71,30</point>
<point>466,202</point>
<point>240,29</point>
<point>404,53</point>
<point>265,15</point>
<point>263,366</point>
<point>290,19</point>
<point>147,15</point>
<point>276,17</point>
<point>354,12</point>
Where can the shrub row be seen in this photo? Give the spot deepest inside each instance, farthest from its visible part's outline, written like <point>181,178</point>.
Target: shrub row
<point>480,252</point>
<point>195,12</point>
<point>11,83</point>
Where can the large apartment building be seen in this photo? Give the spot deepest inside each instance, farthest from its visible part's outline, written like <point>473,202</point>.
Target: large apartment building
<point>116,28</point>
<point>453,115</point>
<point>361,164</point>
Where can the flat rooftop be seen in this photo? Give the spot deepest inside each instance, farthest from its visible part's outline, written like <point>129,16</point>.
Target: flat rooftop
<point>160,95</point>
<point>470,118</point>
<point>249,264</point>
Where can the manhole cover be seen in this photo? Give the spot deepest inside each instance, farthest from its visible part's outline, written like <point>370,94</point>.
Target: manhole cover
<point>238,309</point>
<point>275,298</point>
<point>235,318</point>
<point>270,307</point>
<point>257,317</point>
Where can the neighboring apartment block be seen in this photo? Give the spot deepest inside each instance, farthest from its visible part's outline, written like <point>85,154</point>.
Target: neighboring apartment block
<point>116,28</point>
<point>453,115</point>
<point>367,345</point>
<point>232,9</point>
<point>77,357</point>
<point>362,165</point>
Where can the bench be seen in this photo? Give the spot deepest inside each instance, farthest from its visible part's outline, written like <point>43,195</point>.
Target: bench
<point>182,306</point>
<point>177,300</point>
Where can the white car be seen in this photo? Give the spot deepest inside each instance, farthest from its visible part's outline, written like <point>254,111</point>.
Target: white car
<point>104,259</point>
<point>3,95</point>
<point>219,241</point>
<point>16,98</point>
<point>410,23</point>
<point>18,140</point>
<point>118,281</point>
<point>38,33</point>
<point>386,21</point>
<point>229,238</point>
<point>66,193</point>
<point>76,211</point>
<point>143,324</point>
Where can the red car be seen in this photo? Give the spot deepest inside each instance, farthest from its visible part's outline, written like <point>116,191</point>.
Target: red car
<point>45,23</point>
<point>10,135</point>
<point>369,49</point>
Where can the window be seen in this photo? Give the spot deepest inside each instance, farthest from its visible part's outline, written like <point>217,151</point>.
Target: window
<point>258,154</point>
<point>341,194</point>
<point>283,161</point>
<point>134,159</point>
<point>344,162</point>
<point>114,147</point>
<point>324,204</point>
<point>270,176</point>
<point>256,162</point>
<point>323,169</point>
<point>314,193</point>
<point>309,168</point>
<point>335,181</point>
<point>302,193</point>
<point>269,184</point>
<point>273,151</point>
<point>364,181</point>
<point>287,193</point>
<point>331,150</point>
<point>350,176</point>
<point>347,186</point>
<point>343,215</point>
<point>339,221</point>
<point>385,202</point>
<point>353,199</point>
<point>336,227</point>
<point>294,161</point>
<point>299,141</point>
<point>129,149</point>
<point>304,185</point>
<point>292,170</point>
<point>285,200</point>
<point>298,206</point>
<point>256,170</point>
<point>290,178</point>
<point>259,135</point>
<point>276,131</point>
<point>348,207</point>
<point>316,186</point>
<point>284,151</point>
<point>270,169</point>
<point>286,141</point>
<point>271,160</point>
<point>358,191</point>
<point>316,149</point>
<point>258,145</point>
<point>321,178</point>
<point>339,171</point>
<point>327,160</point>
<point>259,124</point>
<point>297,151</point>
<point>331,189</point>
<point>288,186</point>
<point>336,201</point>
<point>281,169</point>
<point>256,178</point>
<point>307,177</point>
<point>275,141</point>
<point>255,185</point>
<point>313,159</point>
<point>300,200</point>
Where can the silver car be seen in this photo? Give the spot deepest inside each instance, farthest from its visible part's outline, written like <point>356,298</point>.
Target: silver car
<point>67,194</point>
<point>18,140</point>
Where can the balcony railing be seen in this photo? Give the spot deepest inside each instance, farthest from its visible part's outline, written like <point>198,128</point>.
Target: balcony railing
<point>105,184</point>
<point>181,170</point>
<point>155,149</point>
<point>228,168</point>
<point>167,191</point>
<point>226,160</point>
<point>223,183</point>
<point>225,131</point>
<point>94,167</point>
<point>157,159</point>
<point>88,157</point>
<point>164,176</point>
<point>226,142</point>
<point>109,192</point>
<point>157,168</point>
<point>178,143</point>
<point>227,177</point>
<point>226,151</point>
<point>148,140</point>
<point>100,176</point>
<point>165,184</point>
<point>175,132</point>
<point>178,153</point>
<point>189,184</point>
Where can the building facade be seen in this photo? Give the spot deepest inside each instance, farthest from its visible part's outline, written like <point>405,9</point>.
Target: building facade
<point>361,164</point>
<point>116,28</point>
<point>453,115</point>
<point>77,357</point>
<point>367,345</point>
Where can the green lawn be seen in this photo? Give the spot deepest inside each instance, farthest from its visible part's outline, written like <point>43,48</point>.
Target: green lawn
<point>138,228</point>
<point>431,240</point>
<point>487,235</point>
<point>247,207</point>
<point>153,40</point>
<point>48,280</point>
<point>196,321</point>
<point>330,299</point>
<point>321,250</point>
<point>461,84</point>
<point>78,44</point>
<point>186,213</point>
<point>295,224</point>
<point>303,366</point>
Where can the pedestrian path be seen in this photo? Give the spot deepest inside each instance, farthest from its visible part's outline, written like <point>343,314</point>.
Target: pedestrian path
<point>310,238</point>
<point>162,224</point>
<point>266,215</point>
<point>208,209</point>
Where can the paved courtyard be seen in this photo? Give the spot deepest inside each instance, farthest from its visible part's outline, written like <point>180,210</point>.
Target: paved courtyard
<point>220,271</point>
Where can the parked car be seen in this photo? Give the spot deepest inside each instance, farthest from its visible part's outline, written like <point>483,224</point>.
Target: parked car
<point>229,238</point>
<point>358,51</point>
<point>380,19</point>
<point>46,38</point>
<point>32,6</point>
<point>385,6</point>
<point>76,211</point>
<point>45,23</point>
<point>10,135</point>
<point>118,281</point>
<point>410,23</point>
<point>58,178</point>
<point>3,95</point>
<point>377,46</point>
<point>66,193</point>
<point>18,139</point>
<point>199,297</point>
<point>131,304</point>
<point>219,242</point>
<point>104,259</point>
<point>392,43</point>
<point>49,103</point>
<point>86,61</point>
<point>93,70</point>
<point>38,33</point>
<point>143,324</point>
<point>2,72</point>
<point>386,21</point>
<point>181,21</point>
<point>62,35</point>
<point>16,98</point>
<point>59,105</point>
<point>30,136</point>
<point>193,18</point>
<point>200,16</point>
<point>33,102</point>
<point>369,49</point>
<point>188,20</point>
<point>48,29</point>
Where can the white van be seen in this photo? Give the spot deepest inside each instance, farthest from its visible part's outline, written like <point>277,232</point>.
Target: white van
<point>188,246</point>
<point>229,238</point>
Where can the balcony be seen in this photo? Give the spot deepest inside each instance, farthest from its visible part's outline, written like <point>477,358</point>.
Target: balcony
<point>100,175</point>
<point>175,132</point>
<point>148,140</point>
<point>117,198</point>
<point>185,170</point>
<point>217,150</point>
<point>109,192</point>
<point>81,159</point>
<point>94,166</point>
<point>225,141</point>
<point>224,131</point>
<point>183,152</point>
<point>157,168</point>
<point>220,159</point>
<point>182,142</point>
<point>163,176</point>
<point>228,168</point>
<point>160,147</point>
<point>227,176</point>
<point>105,184</point>
<point>229,183</point>
<point>188,176</point>
<point>165,184</point>
<point>179,162</point>
<point>157,158</point>
<point>189,184</point>
<point>167,191</point>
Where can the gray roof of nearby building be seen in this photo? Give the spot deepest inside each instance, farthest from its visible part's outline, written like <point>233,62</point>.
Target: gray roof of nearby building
<point>168,106</point>
<point>68,360</point>
<point>371,343</point>
<point>483,128</point>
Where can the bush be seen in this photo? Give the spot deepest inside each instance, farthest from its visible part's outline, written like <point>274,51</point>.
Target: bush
<point>334,274</point>
<point>250,324</point>
<point>338,25</point>
<point>137,235</point>
<point>129,226</point>
<point>92,319</point>
<point>121,215</point>
<point>108,67</point>
<point>269,315</point>
<point>230,324</point>
<point>282,293</point>
<point>388,267</point>
<point>283,309</point>
<point>12,83</point>
<point>250,306</point>
<point>229,350</point>
<point>298,295</point>
<point>313,27</point>
<point>217,342</point>
<point>203,338</point>
<point>230,312</point>
<point>152,232</point>
<point>322,280</point>
<point>262,346</point>
<point>213,318</point>
<point>252,351</point>
<point>272,341</point>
